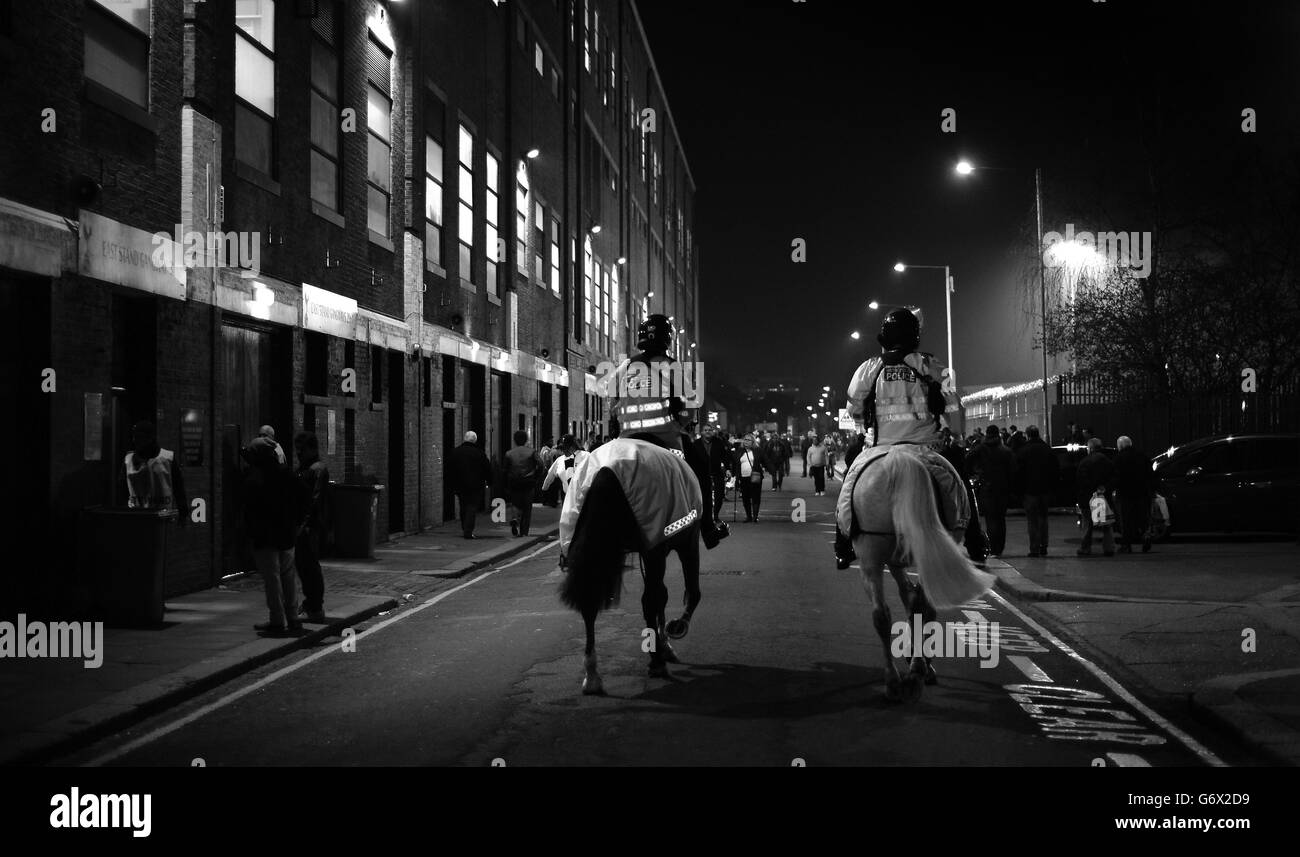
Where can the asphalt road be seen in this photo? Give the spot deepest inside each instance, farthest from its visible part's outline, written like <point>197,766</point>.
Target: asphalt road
<point>781,667</point>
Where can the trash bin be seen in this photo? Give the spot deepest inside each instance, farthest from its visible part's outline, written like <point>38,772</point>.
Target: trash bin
<point>355,511</point>
<point>126,551</point>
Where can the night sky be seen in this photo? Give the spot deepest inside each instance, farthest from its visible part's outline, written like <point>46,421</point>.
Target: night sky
<point>821,121</point>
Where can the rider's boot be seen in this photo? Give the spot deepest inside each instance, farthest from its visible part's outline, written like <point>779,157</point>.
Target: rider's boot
<point>844,553</point>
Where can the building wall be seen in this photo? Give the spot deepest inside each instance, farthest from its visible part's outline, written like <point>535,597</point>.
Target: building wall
<point>176,164</point>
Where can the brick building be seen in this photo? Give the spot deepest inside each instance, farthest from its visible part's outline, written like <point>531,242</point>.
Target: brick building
<point>391,221</point>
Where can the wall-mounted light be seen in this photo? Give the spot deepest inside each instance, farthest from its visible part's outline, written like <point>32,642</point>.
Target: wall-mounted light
<point>595,230</point>
<point>650,294</point>
<point>533,154</point>
<point>622,260</point>
<point>263,300</point>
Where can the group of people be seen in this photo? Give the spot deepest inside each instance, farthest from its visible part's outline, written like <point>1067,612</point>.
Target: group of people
<point>286,516</point>
<point>1007,462</point>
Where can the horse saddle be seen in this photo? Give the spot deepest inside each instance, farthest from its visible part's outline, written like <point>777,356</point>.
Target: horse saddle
<point>951,499</point>
<point>660,488</point>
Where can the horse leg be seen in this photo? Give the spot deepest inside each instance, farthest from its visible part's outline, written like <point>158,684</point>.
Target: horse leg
<point>871,556</point>
<point>915,603</point>
<point>591,684</point>
<point>653,602</point>
<point>688,551</point>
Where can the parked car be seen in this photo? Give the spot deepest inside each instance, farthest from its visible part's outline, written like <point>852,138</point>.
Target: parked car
<point>1234,483</point>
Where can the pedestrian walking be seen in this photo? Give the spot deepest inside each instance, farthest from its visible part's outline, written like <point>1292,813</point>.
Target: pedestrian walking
<point>772,459</point>
<point>567,460</point>
<point>275,508</point>
<point>523,472</point>
<point>807,441</point>
<point>749,466</point>
<point>469,471</point>
<point>315,478</point>
<point>1038,472</point>
<point>817,466</point>
<point>1016,439</point>
<point>1096,473</point>
<point>992,467</point>
<point>716,453</point>
<point>1135,487</point>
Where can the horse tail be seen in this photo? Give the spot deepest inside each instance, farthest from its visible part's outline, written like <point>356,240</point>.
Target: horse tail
<point>594,563</point>
<point>947,576</point>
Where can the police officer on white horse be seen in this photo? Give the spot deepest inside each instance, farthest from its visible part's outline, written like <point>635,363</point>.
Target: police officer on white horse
<point>649,407</point>
<point>904,396</point>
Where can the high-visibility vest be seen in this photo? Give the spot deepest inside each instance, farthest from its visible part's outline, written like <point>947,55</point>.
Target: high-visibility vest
<point>643,388</point>
<point>902,405</point>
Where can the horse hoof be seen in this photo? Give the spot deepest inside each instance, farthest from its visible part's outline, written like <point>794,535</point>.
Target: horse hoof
<point>931,677</point>
<point>912,688</point>
<point>893,690</point>
<point>658,669</point>
<point>669,655</point>
<point>678,628</point>
<point>593,686</point>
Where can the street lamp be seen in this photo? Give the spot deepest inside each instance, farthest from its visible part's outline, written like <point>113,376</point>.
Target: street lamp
<point>855,335</point>
<point>873,306</point>
<point>966,168</point>
<point>947,301</point>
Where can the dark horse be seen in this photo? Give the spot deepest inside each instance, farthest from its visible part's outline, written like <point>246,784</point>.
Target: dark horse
<point>607,529</point>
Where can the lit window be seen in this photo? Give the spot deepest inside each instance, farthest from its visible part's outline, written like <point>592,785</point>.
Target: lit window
<point>433,183</point>
<point>465,220</point>
<point>324,95</point>
<point>521,218</point>
<point>379,148</point>
<point>493,239</point>
<point>586,283</point>
<point>555,256</point>
<point>117,48</point>
<point>255,107</point>
<point>539,60</point>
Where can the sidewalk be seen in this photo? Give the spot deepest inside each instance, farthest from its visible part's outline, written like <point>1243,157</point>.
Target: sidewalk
<point>207,638</point>
<point>1178,618</point>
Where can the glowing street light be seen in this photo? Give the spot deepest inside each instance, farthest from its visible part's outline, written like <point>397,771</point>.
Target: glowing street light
<point>855,335</point>
<point>873,306</point>
<point>964,168</point>
<point>947,299</point>
<point>900,268</point>
<point>534,154</point>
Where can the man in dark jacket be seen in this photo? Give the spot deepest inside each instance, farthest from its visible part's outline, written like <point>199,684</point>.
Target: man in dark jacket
<point>524,472</point>
<point>748,467</point>
<point>718,457</point>
<point>468,470</point>
<point>1135,488</point>
<point>1095,473</point>
<point>1038,472</point>
<point>993,467</point>
<point>314,476</point>
<point>275,507</point>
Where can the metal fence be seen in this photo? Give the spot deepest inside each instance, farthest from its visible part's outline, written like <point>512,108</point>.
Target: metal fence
<point>1155,422</point>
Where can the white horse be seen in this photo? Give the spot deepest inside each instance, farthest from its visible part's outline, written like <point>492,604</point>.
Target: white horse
<point>890,506</point>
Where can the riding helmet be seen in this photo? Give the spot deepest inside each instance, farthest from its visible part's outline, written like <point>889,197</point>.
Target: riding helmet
<point>900,330</point>
<point>655,332</point>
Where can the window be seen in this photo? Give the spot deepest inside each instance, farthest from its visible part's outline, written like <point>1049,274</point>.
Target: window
<point>493,240</point>
<point>616,324</point>
<point>604,302</point>
<point>117,48</point>
<point>539,244</point>
<point>255,84</point>
<point>555,83</point>
<point>658,174</point>
<point>555,256</point>
<point>539,60</point>
<point>324,96</point>
<point>521,218</point>
<point>611,75</point>
<point>379,153</point>
<point>586,282</point>
<point>465,222</point>
<point>433,184</point>
<point>586,34</point>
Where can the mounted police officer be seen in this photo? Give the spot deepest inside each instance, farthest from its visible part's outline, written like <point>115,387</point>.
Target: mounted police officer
<point>648,406</point>
<point>903,397</point>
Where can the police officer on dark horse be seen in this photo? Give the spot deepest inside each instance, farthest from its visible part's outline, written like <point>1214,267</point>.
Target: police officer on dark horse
<point>649,407</point>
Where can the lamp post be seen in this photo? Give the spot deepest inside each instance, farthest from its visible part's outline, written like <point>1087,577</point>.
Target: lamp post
<point>947,301</point>
<point>966,168</point>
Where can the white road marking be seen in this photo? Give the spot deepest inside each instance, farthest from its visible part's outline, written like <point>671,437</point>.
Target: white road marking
<point>294,667</point>
<point>1187,740</point>
<point>1029,668</point>
<point>1128,760</point>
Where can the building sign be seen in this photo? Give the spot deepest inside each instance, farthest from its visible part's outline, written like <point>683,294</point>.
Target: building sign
<point>384,331</point>
<point>94,421</point>
<point>846,422</point>
<point>326,312</point>
<point>121,254</point>
<point>192,438</point>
